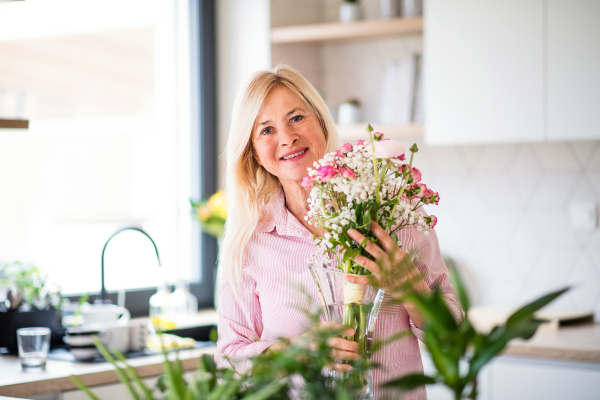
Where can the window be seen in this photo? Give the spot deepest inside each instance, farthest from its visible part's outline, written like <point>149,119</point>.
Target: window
<point>108,87</point>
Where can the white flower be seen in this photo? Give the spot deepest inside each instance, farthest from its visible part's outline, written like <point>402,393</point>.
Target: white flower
<point>386,149</point>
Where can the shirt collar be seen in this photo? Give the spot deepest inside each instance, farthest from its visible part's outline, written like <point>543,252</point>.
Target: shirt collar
<point>277,217</point>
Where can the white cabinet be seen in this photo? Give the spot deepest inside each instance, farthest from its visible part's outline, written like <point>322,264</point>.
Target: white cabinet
<point>573,69</point>
<point>524,378</point>
<point>513,70</point>
<point>517,378</point>
<point>483,71</point>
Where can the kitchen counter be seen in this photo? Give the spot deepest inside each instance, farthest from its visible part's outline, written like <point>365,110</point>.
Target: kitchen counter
<point>56,378</point>
<point>577,343</point>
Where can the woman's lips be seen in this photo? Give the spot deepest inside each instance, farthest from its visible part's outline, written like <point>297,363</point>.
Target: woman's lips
<point>295,158</point>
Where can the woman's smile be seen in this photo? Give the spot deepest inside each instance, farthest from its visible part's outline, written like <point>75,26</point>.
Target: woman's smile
<point>294,155</point>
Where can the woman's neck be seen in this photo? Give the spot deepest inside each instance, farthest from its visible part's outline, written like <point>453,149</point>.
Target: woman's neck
<point>296,202</point>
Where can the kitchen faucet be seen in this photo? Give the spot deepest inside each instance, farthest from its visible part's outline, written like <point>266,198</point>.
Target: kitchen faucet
<point>103,294</point>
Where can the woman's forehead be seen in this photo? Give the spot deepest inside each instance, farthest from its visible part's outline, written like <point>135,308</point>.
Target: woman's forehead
<point>280,100</point>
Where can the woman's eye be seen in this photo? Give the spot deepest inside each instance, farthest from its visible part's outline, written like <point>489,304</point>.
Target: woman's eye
<point>297,118</point>
<point>265,131</point>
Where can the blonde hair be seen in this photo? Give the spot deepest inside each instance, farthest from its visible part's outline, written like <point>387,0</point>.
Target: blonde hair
<point>249,186</point>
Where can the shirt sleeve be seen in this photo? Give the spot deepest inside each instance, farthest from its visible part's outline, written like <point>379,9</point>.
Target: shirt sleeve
<point>430,263</point>
<point>240,326</point>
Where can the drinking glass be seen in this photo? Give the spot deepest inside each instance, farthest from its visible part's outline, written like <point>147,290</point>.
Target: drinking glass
<point>33,348</point>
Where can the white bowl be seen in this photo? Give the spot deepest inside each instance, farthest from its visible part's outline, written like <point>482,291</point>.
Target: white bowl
<point>86,353</point>
<point>78,340</point>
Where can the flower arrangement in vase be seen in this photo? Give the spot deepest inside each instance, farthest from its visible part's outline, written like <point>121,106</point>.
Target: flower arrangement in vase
<point>350,188</point>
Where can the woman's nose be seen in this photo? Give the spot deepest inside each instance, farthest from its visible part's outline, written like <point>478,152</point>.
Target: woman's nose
<point>288,138</point>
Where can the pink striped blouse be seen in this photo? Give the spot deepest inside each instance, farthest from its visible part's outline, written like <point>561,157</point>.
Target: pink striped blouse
<point>269,305</point>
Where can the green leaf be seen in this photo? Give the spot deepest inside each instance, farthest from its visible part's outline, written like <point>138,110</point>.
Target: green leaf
<point>133,375</point>
<point>457,283</point>
<point>213,335</point>
<point>84,388</point>
<point>484,355</point>
<point>120,372</point>
<point>410,382</point>
<point>527,311</point>
<point>446,366</point>
<point>267,391</point>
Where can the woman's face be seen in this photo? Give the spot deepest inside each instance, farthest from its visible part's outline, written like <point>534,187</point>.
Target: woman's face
<point>287,136</point>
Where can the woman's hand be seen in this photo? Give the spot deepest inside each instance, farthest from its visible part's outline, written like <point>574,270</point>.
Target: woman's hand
<point>341,349</point>
<point>391,271</point>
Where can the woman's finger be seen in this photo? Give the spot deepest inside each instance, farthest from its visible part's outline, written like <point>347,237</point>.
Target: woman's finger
<point>371,247</point>
<point>338,354</point>
<point>385,239</point>
<point>344,330</point>
<point>367,264</point>
<point>342,344</point>
<point>363,280</point>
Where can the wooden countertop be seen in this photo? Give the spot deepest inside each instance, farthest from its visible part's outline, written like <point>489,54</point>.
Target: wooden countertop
<point>578,343</point>
<point>56,378</point>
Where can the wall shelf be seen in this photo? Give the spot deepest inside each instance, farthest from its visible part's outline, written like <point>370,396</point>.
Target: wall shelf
<point>337,31</point>
<point>399,132</point>
<point>14,124</point>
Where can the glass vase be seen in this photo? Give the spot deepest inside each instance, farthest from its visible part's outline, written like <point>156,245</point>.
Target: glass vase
<point>354,306</point>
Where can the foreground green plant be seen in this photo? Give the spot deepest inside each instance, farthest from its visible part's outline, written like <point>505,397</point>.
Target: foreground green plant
<point>296,371</point>
<point>450,342</point>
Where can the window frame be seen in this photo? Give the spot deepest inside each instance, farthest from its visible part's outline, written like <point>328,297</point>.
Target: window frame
<point>202,123</point>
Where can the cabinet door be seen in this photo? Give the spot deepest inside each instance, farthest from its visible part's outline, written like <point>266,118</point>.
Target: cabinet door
<point>573,69</point>
<point>516,378</point>
<point>483,71</point>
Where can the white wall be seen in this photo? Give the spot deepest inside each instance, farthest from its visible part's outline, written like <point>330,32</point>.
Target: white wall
<point>503,218</point>
<point>243,47</point>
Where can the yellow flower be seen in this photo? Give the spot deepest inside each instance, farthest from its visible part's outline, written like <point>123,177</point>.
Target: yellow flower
<point>203,213</point>
<point>217,204</point>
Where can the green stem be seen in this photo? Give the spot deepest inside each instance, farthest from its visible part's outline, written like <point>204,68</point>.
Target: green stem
<point>322,204</point>
<point>369,129</point>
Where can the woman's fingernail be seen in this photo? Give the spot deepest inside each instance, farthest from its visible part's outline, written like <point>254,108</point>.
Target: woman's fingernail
<point>350,368</point>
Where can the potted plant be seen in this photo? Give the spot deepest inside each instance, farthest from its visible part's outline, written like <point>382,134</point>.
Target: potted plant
<point>31,301</point>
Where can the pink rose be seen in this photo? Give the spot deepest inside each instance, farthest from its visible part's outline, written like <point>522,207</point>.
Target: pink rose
<point>420,190</point>
<point>345,148</point>
<point>387,149</point>
<point>347,173</point>
<point>432,221</point>
<point>434,198</point>
<point>378,136</point>
<point>360,142</point>
<point>307,182</point>
<point>326,172</point>
<point>416,175</point>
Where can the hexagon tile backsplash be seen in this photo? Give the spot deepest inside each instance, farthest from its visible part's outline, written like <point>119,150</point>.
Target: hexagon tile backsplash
<point>504,219</point>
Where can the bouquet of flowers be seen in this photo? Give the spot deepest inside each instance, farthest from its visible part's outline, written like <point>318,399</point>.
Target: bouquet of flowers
<point>357,184</point>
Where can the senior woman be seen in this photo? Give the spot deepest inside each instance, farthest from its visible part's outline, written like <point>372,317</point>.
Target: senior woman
<point>280,127</point>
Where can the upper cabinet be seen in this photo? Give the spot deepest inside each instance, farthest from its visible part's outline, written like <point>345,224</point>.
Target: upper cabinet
<point>573,69</point>
<point>511,70</point>
<point>484,67</point>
